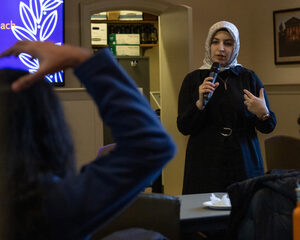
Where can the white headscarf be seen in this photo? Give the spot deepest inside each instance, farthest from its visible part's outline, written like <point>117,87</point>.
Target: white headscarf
<point>234,32</point>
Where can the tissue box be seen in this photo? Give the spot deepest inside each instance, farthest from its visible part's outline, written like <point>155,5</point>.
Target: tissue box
<point>99,16</point>
<point>99,33</point>
<point>131,15</point>
<point>125,50</point>
<point>123,38</point>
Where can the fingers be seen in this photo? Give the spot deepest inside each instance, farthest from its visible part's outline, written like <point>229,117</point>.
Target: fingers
<point>249,94</point>
<point>52,58</point>
<point>10,52</point>
<point>248,98</point>
<point>207,86</point>
<point>255,105</point>
<point>15,50</point>
<point>25,81</point>
<point>261,93</point>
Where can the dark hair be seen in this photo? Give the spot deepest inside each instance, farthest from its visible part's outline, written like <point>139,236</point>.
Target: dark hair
<point>39,148</point>
<point>222,29</point>
<point>219,30</point>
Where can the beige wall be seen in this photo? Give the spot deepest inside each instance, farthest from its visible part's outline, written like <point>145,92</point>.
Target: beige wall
<point>255,22</point>
<point>285,102</point>
<point>152,53</point>
<point>85,125</point>
<point>263,57</point>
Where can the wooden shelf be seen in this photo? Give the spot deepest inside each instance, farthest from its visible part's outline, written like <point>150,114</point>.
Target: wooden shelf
<point>99,46</point>
<point>149,45</point>
<point>141,45</point>
<point>123,21</point>
<point>145,46</point>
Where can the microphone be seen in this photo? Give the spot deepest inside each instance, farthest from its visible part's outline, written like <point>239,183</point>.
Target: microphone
<point>214,70</point>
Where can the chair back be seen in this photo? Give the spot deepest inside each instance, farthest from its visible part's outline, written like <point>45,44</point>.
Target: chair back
<point>282,152</point>
<point>151,211</point>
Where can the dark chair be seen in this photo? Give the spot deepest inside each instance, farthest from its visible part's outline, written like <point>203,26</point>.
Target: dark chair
<point>262,207</point>
<point>282,152</point>
<point>266,217</point>
<point>156,212</point>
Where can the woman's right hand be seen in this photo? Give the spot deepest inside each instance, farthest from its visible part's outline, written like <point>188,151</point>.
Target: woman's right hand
<point>206,87</point>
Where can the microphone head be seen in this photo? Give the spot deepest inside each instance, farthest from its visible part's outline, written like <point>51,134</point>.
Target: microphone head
<point>215,67</point>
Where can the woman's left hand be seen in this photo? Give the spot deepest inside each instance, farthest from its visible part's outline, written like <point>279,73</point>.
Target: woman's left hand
<point>256,105</point>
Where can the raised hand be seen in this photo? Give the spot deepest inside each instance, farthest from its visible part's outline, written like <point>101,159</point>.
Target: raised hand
<point>256,105</point>
<point>52,58</point>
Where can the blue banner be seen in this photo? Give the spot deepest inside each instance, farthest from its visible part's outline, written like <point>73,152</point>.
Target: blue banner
<point>34,20</point>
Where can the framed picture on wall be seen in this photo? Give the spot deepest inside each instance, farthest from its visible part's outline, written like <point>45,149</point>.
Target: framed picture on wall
<point>286,25</point>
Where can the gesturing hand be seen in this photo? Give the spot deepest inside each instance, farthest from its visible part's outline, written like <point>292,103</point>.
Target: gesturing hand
<point>52,58</point>
<point>256,105</point>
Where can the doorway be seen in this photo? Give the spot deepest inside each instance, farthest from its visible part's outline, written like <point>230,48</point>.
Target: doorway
<point>175,54</point>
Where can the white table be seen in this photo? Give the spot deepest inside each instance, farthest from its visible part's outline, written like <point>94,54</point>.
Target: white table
<point>195,217</point>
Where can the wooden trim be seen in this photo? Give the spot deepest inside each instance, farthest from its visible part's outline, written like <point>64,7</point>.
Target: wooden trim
<point>280,89</point>
<point>70,89</point>
<point>123,21</point>
<point>143,45</point>
<point>149,45</point>
<point>73,94</point>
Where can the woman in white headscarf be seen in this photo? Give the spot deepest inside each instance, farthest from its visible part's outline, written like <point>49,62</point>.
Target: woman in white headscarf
<point>223,147</point>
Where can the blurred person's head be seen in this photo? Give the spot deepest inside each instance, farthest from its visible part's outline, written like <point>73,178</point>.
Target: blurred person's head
<point>38,149</point>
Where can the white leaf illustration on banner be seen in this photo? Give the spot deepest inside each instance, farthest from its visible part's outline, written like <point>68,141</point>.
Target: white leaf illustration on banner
<point>32,70</point>
<point>50,4</point>
<point>60,76</point>
<point>49,78</point>
<point>55,77</point>
<point>48,26</point>
<point>39,18</point>
<point>28,61</point>
<point>37,9</point>
<point>28,18</point>
<point>23,34</point>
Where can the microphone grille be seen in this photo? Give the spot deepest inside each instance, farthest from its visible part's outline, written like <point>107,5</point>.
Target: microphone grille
<point>215,67</point>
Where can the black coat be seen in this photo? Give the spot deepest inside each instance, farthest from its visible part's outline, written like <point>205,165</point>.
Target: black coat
<point>213,161</point>
<point>262,207</point>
